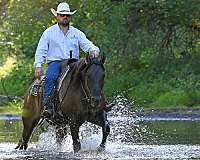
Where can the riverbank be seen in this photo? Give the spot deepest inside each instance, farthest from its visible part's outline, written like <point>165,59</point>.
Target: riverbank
<point>10,111</point>
<point>172,112</point>
<point>15,108</point>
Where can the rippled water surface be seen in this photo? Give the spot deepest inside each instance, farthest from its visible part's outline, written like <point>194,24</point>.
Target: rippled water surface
<point>131,137</point>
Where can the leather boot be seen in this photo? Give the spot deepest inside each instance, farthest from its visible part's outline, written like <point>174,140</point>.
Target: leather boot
<point>48,111</point>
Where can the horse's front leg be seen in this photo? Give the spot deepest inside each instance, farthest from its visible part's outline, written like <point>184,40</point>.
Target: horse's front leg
<point>105,129</point>
<point>60,134</point>
<point>101,120</point>
<point>74,128</point>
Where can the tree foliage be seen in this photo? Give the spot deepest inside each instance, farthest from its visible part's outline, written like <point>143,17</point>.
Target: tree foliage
<point>147,42</point>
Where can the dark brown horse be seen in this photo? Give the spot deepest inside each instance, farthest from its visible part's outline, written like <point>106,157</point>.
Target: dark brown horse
<point>80,100</point>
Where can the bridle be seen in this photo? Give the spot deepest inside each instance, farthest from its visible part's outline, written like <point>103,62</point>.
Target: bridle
<point>89,99</point>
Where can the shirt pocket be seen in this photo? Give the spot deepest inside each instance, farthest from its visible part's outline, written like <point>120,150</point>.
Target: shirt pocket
<point>74,41</point>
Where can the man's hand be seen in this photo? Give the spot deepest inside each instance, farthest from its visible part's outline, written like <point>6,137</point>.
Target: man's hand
<point>38,72</point>
<point>94,54</point>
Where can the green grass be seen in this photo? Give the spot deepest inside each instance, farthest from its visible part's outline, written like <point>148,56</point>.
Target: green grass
<point>14,107</point>
<point>147,87</point>
<point>150,89</point>
<point>171,99</point>
<point>19,78</point>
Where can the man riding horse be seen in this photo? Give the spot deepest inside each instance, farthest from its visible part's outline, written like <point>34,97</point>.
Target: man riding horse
<point>57,43</point>
<point>79,94</point>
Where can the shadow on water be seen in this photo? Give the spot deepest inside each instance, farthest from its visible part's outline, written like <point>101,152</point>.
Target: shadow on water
<point>131,137</point>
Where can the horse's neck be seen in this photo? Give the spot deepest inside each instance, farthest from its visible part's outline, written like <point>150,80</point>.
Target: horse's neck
<point>77,86</point>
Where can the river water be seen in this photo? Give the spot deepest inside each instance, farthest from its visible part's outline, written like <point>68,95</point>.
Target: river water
<point>131,137</point>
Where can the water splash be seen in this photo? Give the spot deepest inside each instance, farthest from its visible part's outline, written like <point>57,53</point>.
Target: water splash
<point>113,151</point>
<point>130,138</point>
<point>123,107</point>
<point>47,140</point>
<point>126,126</point>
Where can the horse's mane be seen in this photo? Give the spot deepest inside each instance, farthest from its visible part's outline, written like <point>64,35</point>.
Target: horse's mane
<point>85,62</point>
<point>81,64</point>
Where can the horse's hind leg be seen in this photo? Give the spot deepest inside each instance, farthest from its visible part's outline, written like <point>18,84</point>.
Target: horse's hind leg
<point>29,124</point>
<point>101,120</point>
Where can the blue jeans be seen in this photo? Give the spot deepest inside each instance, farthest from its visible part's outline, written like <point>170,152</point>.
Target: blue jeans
<point>52,74</point>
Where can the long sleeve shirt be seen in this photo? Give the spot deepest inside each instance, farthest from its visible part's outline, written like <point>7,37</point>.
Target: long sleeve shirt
<point>55,45</point>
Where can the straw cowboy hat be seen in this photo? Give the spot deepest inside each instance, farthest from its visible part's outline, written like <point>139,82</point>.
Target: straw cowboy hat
<point>62,8</point>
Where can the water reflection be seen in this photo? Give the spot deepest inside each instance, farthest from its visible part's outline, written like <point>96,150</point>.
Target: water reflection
<point>176,132</point>
<point>124,129</point>
<point>10,129</point>
<point>131,137</point>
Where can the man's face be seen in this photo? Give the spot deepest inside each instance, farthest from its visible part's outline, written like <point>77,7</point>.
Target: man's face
<point>63,19</point>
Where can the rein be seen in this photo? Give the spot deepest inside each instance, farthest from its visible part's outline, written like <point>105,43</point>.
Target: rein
<point>88,98</point>
<point>84,86</point>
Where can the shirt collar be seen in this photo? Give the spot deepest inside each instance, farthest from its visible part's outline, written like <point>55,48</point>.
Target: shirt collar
<point>61,30</point>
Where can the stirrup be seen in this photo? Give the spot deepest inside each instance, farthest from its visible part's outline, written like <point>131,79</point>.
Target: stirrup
<point>47,113</point>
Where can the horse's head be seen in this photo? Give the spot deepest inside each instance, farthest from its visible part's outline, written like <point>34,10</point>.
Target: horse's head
<point>92,79</point>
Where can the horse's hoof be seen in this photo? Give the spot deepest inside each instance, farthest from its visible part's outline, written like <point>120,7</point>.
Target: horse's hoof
<point>21,146</point>
<point>77,148</point>
<point>17,146</point>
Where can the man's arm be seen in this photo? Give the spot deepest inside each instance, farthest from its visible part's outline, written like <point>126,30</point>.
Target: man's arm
<point>87,46</point>
<point>41,51</point>
<point>40,55</point>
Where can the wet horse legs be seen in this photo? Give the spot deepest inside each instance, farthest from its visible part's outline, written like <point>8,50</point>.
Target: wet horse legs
<point>101,120</point>
<point>29,125</point>
<point>105,129</point>
<point>60,134</point>
<point>74,128</point>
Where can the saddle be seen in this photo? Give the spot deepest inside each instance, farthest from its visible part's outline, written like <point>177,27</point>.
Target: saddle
<point>67,70</point>
<point>57,97</point>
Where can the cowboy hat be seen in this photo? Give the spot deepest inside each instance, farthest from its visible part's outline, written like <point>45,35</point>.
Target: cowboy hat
<point>62,8</point>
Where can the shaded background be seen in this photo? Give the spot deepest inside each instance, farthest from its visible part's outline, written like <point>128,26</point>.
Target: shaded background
<point>152,47</point>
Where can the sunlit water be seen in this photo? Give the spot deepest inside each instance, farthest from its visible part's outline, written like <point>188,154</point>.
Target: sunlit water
<point>131,137</point>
